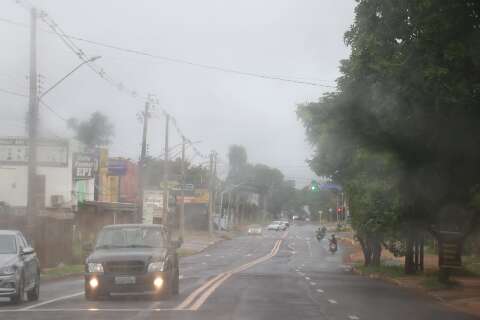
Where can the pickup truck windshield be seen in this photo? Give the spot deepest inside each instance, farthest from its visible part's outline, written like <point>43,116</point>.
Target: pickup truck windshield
<point>7,244</point>
<point>130,238</point>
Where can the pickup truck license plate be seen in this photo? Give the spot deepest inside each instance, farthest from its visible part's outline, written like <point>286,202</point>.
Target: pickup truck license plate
<point>125,280</point>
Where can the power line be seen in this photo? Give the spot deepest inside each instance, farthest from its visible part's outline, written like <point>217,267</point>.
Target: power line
<point>187,62</point>
<point>99,71</point>
<point>13,93</point>
<point>52,110</point>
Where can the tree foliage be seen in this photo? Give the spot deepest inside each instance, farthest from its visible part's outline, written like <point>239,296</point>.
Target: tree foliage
<point>401,134</point>
<point>94,132</point>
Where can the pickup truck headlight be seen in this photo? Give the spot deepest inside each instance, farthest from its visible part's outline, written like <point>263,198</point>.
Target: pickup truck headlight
<point>157,266</point>
<point>95,267</point>
<point>8,270</point>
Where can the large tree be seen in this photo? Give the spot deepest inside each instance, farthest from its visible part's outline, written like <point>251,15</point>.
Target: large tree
<point>409,95</point>
<point>95,131</point>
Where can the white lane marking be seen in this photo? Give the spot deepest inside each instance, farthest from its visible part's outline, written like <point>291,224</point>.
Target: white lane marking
<point>207,255</point>
<point>309,248</point>
<point>221,257</point>
<point>353,317</point>
<point>307,278</point>
<point>313,283</point>
<point>320,290</point>
<point>294,252</point>
<point>332,301</point>
<point>303,264</point>
<point>204,263</point>
<point>248,255</point>
<point>52,300</point>
<point>180,276</point>
<point>92,310</point>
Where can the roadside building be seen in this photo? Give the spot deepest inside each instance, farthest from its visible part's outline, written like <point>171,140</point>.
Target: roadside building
<point>114,199</point>
<point>57,190</point>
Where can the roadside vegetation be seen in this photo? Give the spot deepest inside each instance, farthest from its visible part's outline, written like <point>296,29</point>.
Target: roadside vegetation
<point>63,270</point>
<point>400,134</point>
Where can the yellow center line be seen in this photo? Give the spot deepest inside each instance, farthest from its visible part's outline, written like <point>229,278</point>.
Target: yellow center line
<point>206,290</point>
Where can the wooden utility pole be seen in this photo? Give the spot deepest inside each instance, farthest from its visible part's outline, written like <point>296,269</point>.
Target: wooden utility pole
<point>32,128</point>
<point>182,192</point>
<point>210,196</point>
<point>141,164</point>
<point>165,176</point>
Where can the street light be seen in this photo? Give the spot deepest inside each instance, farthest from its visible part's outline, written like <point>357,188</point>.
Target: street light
<point>68,74</point>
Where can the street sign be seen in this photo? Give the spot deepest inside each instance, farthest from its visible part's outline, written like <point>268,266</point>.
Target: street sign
<point>330,186</point>
<point>450,249</point>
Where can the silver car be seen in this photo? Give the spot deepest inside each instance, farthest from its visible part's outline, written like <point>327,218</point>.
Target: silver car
<point>19,267</point>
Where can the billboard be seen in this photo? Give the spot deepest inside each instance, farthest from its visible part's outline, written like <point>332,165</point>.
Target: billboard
<point>50,153</point>
<point>152,205</point>
<point>84,165</point>
<point>117,167</point>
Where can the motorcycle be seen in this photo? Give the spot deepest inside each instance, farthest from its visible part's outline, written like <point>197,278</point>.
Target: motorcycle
<point>320,235</point>
<point>332,247</point>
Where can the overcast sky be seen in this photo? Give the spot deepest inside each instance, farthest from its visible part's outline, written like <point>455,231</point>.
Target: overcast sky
<point>295,39</point>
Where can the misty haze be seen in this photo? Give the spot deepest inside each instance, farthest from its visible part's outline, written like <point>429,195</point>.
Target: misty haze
<point>240,159</point>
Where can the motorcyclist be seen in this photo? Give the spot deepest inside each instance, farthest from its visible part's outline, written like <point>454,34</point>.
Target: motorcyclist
<point>333,240</point>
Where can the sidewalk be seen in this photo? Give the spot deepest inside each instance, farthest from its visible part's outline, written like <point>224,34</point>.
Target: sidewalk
<point>463,296</point>
<point>197,241</point>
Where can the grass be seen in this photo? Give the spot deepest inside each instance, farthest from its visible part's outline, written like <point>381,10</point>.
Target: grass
<point>184,252</point>
<point>472,265</point>
<point>426,280</point>
<point>62,271</point>
<point>431,281</point>
<point>389,271</point>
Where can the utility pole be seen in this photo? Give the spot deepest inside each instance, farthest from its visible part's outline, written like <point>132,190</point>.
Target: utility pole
<point>165,178</point>
<point>32,128</point>
<point>210,196</point>
<point>182,191</point>
<point>141,164</point>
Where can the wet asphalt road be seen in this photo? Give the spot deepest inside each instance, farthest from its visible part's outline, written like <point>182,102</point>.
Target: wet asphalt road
<point>280,275</point>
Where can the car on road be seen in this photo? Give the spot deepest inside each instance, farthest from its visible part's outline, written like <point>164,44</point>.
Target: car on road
<point>285,222</point>
<point>276,226</point>
<point>132,259</point>
<point>19,268</point>
<point>254,229</point>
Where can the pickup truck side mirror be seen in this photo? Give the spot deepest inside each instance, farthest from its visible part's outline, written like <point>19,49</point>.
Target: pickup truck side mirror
<point>27,251</point>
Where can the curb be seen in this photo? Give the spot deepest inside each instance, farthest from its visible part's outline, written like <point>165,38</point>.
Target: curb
<point>399,283</point>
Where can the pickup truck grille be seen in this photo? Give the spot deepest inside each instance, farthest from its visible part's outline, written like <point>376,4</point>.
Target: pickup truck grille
<point>125,267</point>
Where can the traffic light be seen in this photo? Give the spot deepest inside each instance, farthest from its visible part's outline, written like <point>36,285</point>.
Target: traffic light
<point>314,186</point>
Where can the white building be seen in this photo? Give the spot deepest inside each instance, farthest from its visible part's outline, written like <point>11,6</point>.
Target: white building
<point>57,182</point>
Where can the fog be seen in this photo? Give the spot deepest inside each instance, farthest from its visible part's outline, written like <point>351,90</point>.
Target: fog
<point>290,39</point>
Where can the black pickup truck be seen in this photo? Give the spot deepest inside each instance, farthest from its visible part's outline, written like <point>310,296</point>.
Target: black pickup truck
<point>132,259</point>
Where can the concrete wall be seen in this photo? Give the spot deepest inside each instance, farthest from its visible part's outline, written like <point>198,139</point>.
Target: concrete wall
<point>13,185</point>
